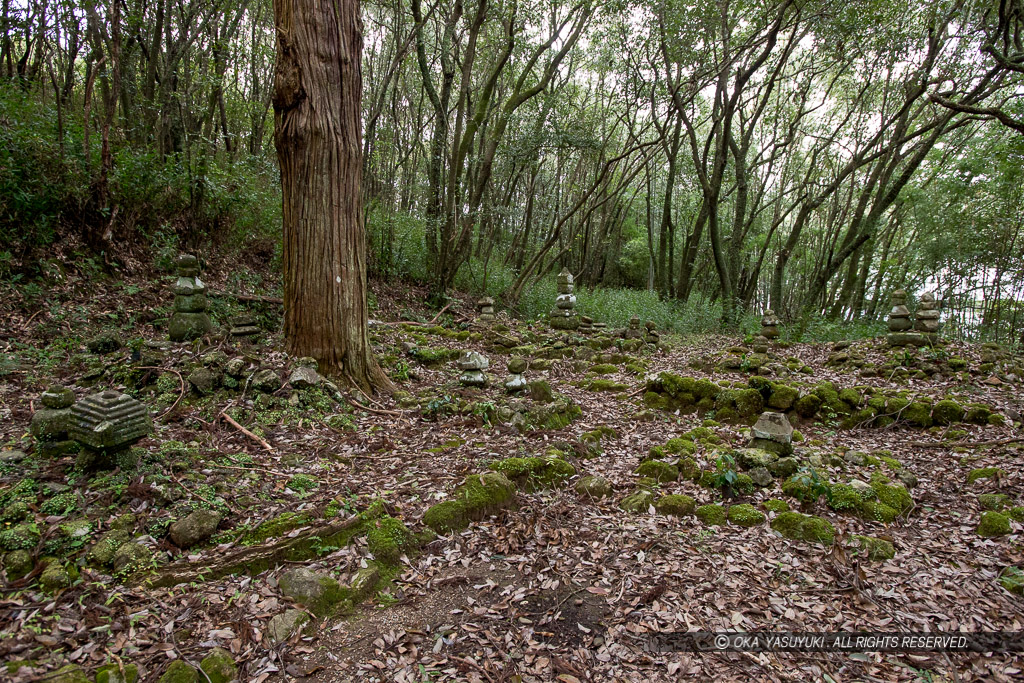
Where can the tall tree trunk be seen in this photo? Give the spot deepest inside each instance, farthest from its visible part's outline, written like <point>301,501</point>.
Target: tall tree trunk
<point>317,130</point>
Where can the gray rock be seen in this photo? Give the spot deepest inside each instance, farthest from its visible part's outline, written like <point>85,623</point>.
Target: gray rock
<point>236,367</point>
<point>204,381</point>
<point>517,365</point>
<point>318,592</point>
<point>471,360</point>
<point>266,380</point>
<point>761,476</point>
<point>516,384</point>
<point>773,427</point>
<point>286,624</point>
<point>304,377</point>
<point>909,479</point>
<point>57,397</point>
<point>198,526</point>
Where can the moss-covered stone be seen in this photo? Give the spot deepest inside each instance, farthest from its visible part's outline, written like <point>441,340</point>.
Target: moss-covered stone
<point>365,582</point>
<point>845,498</point>
<point>1012,579</point>
<point>947,412</point>
<point>851,397</point>
<point>675,505</point>
<point>712,515</point>
<point>320,594</point>
<point>532,474</point>
<point>775,505</point>
<point>639,501</point>
<point>388,539</point>
<point>801,527</point>
<point>130,558</point>
<point>984,473</point>
<point>594,487</point>
<point>977,413</point>
<point>687,467</point>
<point>751,458</point>
<point>71,673</point>
<point>918,414</point>
<point>680,446</point>
<point>17,564</point>
<point>895,496</point>
<point>808,405</point>
<point>874,549</point>
<point>878,512</point>
<point>434,356</point>
<point>993,523</point>
<point>219,666</point>
<point>745,515</point>
<point>54,578</point>
<point>603,369</point>
<point>784,467</point>
<point>605,385</point>
<point>24,536</point>
<point>783,397</point>
<point>114,673</point>
<point>480,495</point>
<point>661,472</point>
<point>993,501</point>
<point>1016,513</point>
<point>180,672</point>
<point>540,391</point>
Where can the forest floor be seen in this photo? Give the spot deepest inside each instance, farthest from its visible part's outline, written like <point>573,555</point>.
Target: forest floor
<point>552,584</point>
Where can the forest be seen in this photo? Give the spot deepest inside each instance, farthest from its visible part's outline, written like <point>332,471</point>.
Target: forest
<point>510,340</point>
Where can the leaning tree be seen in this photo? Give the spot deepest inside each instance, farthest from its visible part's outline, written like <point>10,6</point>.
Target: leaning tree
<point>317,132</point>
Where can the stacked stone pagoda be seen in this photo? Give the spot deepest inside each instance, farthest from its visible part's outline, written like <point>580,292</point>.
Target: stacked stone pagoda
<point>770,325</point>
<point>563,317</point>
<point>586,324</point>
<point>190,320</point>
<point>473,366</point>
<point>773,433</point>
<point>900,324</point>
<point>106,425</point>
<point>633,331</point>
<point>51,423</point>
<point>651,335</point>
<point>926,320</point>
<point>485,310</point>
<point>244,326</point>
<point>516,381</point>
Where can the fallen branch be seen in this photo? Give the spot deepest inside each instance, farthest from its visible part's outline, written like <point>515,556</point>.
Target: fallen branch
<point>254,558</point>
<point>966,444</point>
<point>245,431</point>
<point>181,392</point>
<point>247,297</point>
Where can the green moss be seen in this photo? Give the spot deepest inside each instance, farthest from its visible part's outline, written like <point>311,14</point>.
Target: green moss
<point>180,672</point>
<point>219,666</point>
<point>605,385</point>
<point>775,505</point>
<point>977,413</point>
<point>800,527</point>
<point>603,369</point>
<point>112,673</point>
<point>993,501</point>
<point>993,524</point>
<point>275,527</point>
<point>680,446</point>
<point>844,498</point>
<point>14,512</point>
<point>434,356</point>
<point>893,463</point>
<point>851,397</point>
<point>1012,579</point>
<point>745,515</point>
<point>749,403</point>
<point>702,434</point>
<point>783,397</point>
<point>808,405</point>
<point>1016,514</point>
<point>532,474</point>
<point>712,515</point>
<point>895,496</point>
<point>60,504</point>
<point>659,471</point>
<point>751,458</point>
<point>874,549</point>
<point>639,501</point>
<point>388,539</point>
<point>687,467</point>
<point>480,495</point>
<point>984,473</point>
<point>947,412</point>
<point>918,414</point>
<point>67,674</point>
<point>877,511</point>
<point>675,505</point>
<point>24,536</point>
